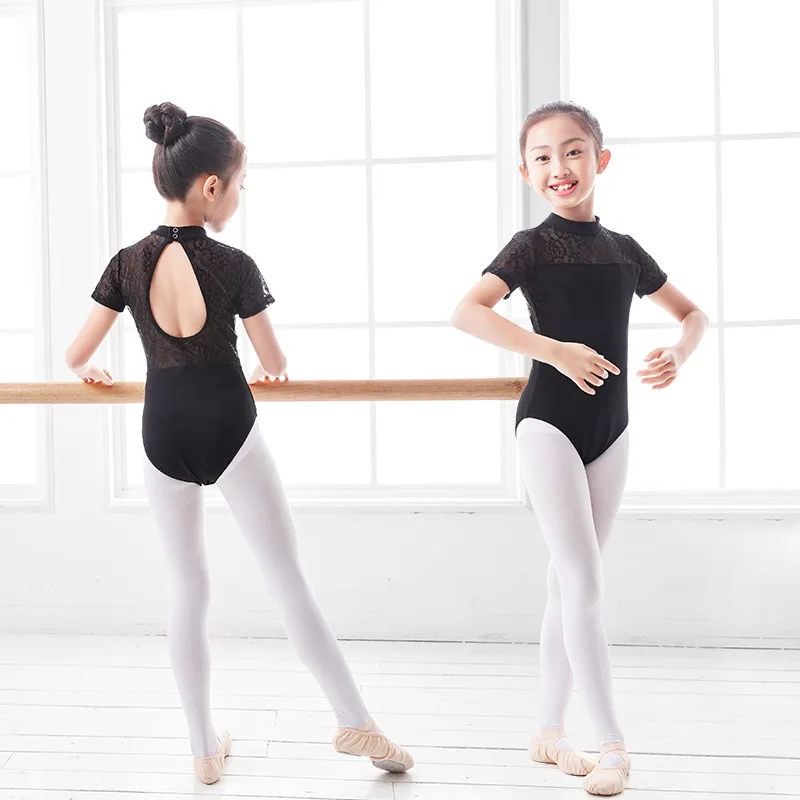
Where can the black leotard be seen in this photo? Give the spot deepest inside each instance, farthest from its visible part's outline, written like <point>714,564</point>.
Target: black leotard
<point>198,407</point>
<point>578,279</point>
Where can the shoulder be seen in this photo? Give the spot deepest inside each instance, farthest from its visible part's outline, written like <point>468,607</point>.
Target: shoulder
<point>230,253</point>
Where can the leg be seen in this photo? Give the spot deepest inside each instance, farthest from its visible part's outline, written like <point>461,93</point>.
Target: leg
<point>180,518</point>
<point>606,477</point>
<point>253,490</point>
<point>559,490</point>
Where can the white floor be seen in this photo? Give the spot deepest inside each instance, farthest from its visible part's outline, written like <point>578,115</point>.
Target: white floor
<point>98,717</point>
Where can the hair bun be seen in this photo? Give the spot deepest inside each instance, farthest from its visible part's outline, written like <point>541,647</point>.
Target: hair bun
<point>164,123</point>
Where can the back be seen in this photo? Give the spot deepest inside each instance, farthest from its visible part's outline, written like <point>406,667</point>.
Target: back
<point>184,290</point>
<point>184,301</point>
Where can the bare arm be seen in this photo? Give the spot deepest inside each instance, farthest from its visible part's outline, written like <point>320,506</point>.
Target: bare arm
<point>265,343</point>
<point>475,315</point>
<point>693,321</point>
<point>99,322</point>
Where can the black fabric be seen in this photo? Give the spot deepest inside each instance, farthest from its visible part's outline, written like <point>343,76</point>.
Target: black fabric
<point>198,406</point>
<point>578,280</point>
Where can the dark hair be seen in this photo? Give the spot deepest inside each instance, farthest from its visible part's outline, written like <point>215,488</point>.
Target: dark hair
<point>187,147</point>
<point>580,114</point>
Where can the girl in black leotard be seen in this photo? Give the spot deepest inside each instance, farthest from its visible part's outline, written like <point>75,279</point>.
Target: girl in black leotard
<point>578,279</point>
<point>199,427</point>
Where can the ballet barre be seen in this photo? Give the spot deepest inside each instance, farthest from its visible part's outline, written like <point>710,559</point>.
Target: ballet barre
<point>79,393</point>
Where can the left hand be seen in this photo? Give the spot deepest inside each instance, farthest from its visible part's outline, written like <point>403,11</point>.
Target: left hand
<point>663,367</point>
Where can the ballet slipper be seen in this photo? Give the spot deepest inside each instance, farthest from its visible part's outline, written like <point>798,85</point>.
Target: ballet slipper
<point>369,741</point>
<point>570,762</point>
<point>609,780</point>
<point>208,769</point>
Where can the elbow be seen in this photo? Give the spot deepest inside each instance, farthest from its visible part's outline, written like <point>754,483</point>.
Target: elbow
<point>457,317</point>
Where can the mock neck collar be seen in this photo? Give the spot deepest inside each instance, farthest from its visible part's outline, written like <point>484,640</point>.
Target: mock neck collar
<point>571,226</point>
<point>181,232</point>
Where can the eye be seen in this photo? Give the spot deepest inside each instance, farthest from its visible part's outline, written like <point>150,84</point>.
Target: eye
<point>539,158</point>
<point>574,151</point>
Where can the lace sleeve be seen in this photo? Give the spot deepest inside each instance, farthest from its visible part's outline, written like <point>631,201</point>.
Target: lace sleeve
<point>514,263</point>
<point>651,276</point>
<point>253,295</point>
<point>108,291</point>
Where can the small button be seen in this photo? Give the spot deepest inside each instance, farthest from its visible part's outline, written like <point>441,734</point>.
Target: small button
<point>174,235</point>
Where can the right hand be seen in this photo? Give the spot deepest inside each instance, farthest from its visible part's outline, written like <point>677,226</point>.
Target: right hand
<point>260,375</point>
<point>91,373</point>
<point>584,366</point>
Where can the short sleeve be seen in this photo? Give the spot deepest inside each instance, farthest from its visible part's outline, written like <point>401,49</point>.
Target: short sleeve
<point>514,263</point>
<point>651,276</point>
<point>108,291</point>
<point>253,296</point>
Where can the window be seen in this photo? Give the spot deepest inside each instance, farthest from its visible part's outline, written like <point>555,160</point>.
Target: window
<point>20,345</point>
<point>377,190</point>
<point>704,147</point>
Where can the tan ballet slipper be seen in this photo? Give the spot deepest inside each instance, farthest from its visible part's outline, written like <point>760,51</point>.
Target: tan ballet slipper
<point>571,762</point>
<point>369,741</point>
<point>208,769</point>
<point>608,781</point>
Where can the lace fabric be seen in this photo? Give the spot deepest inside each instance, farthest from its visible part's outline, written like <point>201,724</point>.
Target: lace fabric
<point>563,242</point>
<point>229,280</point>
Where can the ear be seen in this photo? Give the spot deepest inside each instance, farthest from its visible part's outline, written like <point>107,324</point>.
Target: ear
<point>605,157</point>
<point>523,170</point>
<point>211,187</point>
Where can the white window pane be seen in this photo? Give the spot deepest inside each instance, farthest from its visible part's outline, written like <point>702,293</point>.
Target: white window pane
<point>304,81</point>
<point>762,280</point>
<point>435,230</point>
<point>761,388</point>
<point>674,431</point>
<point>156,53</point>
<point>18,433</point>
<point>18,430</point>
<point>17,362</point>
<point>625,68</point>
<point>16,57</point>
<point>134,450</point>
<point>336,448</point>
<point>441,443</point>
<point>759,65</point>
<point>437,442</point>
<point>433,77</point>
<point>143,210</point>
<point>16,297</point>
<point>433,353</point>
<point>306,229</point>
<point>134,363</point>
<point>689,259</point>
<point>318,443</point>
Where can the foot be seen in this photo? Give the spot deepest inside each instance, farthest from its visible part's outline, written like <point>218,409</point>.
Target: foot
<point>370,741</point>
<point>553,747</point>
<point>610,775</point>
<point>208,769</point>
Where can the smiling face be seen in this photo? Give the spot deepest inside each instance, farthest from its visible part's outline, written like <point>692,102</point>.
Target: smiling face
<point>561,162</point>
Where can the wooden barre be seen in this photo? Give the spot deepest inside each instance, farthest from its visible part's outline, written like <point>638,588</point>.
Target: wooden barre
<point>78,393</point>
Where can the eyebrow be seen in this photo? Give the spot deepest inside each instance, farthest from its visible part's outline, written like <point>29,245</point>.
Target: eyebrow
<point>563,144</point>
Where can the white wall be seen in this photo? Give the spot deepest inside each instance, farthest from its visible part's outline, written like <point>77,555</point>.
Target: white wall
<point>441,576</point>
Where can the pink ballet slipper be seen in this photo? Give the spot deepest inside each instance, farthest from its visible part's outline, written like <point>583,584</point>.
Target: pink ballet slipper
<point>369,741</point>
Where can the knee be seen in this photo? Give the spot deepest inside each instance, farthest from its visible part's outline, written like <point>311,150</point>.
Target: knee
<point>191,594</point>
<point>583,586</point>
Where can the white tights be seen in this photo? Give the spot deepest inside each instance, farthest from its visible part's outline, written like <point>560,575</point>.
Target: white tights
<point>254,492</point>
<point>575,506</point>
